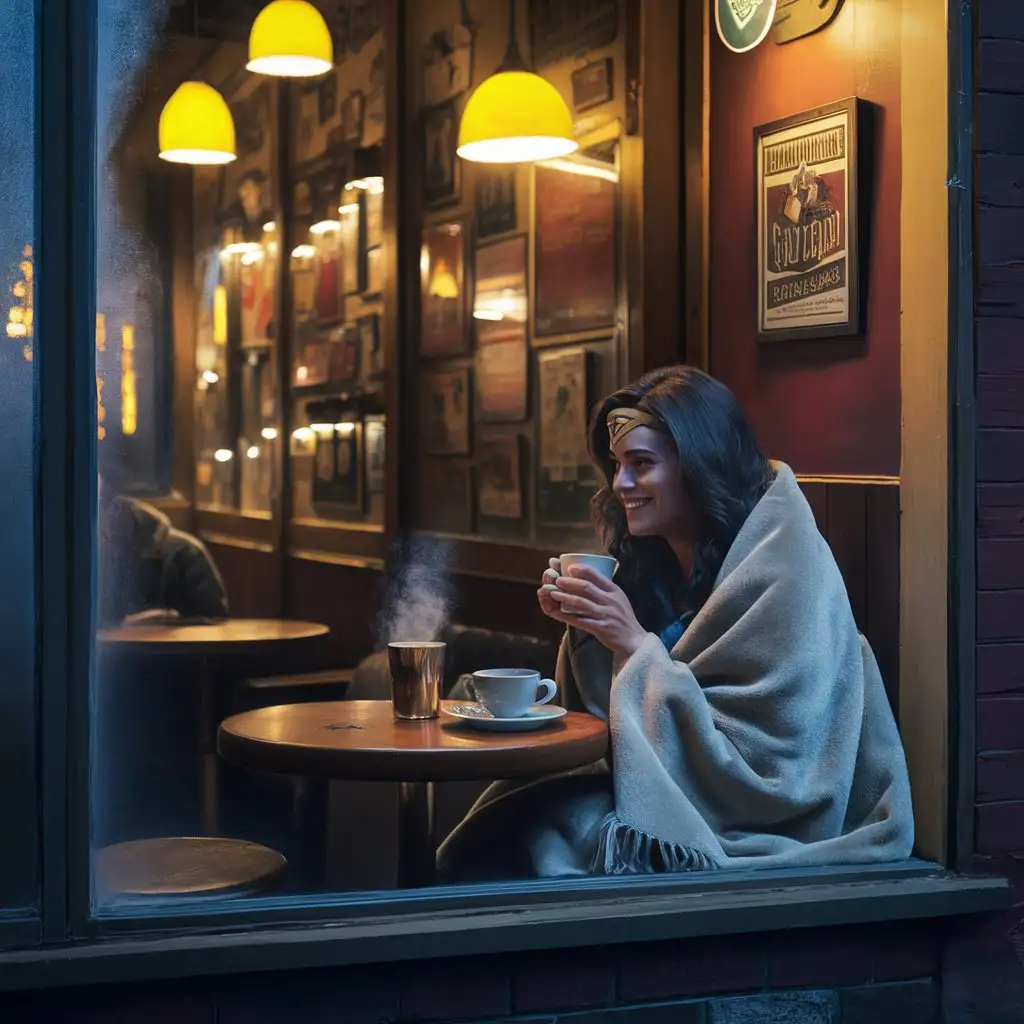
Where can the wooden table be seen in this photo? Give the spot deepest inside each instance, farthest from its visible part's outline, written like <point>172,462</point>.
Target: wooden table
<point>361,741</point>
<point>207,643</point>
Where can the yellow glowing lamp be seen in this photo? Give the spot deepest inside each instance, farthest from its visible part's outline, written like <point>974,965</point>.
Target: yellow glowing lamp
<point>196,127</point>
<point>515,116</point>
<point>290,39</point>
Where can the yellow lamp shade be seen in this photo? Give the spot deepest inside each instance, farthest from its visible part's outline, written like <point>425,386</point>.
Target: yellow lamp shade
<point>515,117</point>
<point>290,39</point>
<point>196,126</point>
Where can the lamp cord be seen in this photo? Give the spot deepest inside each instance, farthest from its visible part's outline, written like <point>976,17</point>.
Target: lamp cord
<point>513,59</point>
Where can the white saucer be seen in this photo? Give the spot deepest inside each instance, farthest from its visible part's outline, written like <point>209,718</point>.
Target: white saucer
<point>480,718</point>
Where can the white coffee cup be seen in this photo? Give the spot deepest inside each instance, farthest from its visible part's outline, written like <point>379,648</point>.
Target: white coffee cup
<point>604,564</point>
<point>511,692</point>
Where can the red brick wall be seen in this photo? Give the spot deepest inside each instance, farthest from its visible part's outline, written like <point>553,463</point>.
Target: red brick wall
<point>866,970</point>
<point>999,143</point>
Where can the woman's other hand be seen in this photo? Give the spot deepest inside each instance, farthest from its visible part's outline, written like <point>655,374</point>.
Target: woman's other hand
<point>587,600</point>
<point>547,604</point>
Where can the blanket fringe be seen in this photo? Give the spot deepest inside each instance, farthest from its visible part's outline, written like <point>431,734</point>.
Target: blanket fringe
<point>624,850</point>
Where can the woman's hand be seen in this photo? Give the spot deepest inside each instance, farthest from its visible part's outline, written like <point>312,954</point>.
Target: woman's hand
<point>587,600</point>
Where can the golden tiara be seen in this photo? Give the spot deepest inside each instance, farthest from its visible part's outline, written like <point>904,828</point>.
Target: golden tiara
<point>622,421</point>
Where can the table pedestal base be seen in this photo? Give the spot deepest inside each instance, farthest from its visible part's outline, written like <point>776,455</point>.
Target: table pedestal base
<point>417,845</point>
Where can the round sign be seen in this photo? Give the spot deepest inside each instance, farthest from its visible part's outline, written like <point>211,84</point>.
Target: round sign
<point>742,24</point>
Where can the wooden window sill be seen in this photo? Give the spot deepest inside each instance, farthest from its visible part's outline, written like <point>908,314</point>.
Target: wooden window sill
<point>284,934</point>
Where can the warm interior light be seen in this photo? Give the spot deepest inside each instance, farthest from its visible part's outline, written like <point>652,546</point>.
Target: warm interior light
<point>210,376</point>
<point>585,166</point>
<point>303,434</point>
<point>304,252</point>
<point>196,127</point>
<point>220,315</point>
<point>321,227</point>
<point>269,433</point>
<point>373,184</point>
<point>290,39</point>
<point>347,209</point>
<point>345,428</point>
<point>236,248</point>
<point>487,314</point>
<point>251,257</point>
<point>223,455</point>
<point>270,227</point>
<point>252,452</point>
<point>515,117</point>
<point>322,428</point>
<point>442,282</point>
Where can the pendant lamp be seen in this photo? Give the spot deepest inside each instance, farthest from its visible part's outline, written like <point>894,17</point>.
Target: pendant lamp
<point>196,127</point>
<point>290,39</point>
<point>515,116</point>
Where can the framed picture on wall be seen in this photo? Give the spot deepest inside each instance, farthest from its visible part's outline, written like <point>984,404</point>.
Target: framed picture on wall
<point>575,244</point>
<point>495,201</point>
<point>442,291</point>
<point>373,438</point>
<point>440,163</point>
<point>445,496</point>
<point>499,477</point>
<point>500,308</point>
<point>445,408</point>
<point>808,255</point>
<point>353,271</point>
<point>566,476</point>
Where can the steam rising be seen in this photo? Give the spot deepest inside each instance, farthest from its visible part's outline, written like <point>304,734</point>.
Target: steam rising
<point>419,595</point>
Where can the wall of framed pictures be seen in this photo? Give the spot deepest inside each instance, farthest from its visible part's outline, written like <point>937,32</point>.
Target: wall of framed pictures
<point>521,325</point>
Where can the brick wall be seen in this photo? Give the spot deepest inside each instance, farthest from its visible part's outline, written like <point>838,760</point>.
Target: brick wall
<point>999,142</point>
<point>885,974</point>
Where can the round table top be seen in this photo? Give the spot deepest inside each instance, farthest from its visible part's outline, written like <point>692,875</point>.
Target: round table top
<point>360,740</point>
<point>232,636</point>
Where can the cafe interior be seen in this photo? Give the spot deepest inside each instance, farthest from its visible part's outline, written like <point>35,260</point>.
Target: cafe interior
<point>363,270</point>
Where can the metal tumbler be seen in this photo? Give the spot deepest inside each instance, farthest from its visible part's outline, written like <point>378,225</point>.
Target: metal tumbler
<point>416,672</point>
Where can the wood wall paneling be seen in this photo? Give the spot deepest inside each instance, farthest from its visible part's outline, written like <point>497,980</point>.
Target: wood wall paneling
<point>860,520</point>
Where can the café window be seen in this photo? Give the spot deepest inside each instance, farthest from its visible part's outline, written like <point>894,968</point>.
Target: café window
<point>343,382</point>
<point>19,416</point>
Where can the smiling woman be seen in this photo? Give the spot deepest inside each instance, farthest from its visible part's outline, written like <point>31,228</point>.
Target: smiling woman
<point>749,723</point>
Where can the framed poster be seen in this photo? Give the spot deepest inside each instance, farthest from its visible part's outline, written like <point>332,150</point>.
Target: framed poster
<point>808,258</point>
<point>338,466</point>
<point>499,477</point>
<point>442,291</point>
<point>499,319</point>
<point>440,162</point>
<point>373,438</point>
<point>566,476</point>
<point>353,274</point>
<point>371,353</point>
<point>373,215</point>
<point>446,402</point>
<point>575,247</point>
<point>495,201</point>
<point>592,85</point>
<point>344,353</point>
<point>445,496</point>
<point>352,117</point>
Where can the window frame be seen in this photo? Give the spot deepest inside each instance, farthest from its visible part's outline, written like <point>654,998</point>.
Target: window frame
<point>274,933</point>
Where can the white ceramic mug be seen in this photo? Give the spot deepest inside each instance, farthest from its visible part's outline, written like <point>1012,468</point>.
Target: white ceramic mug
<point>511,692</point>
<point>604,564</point>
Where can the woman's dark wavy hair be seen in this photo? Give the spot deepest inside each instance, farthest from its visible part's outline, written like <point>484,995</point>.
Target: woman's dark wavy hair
<point>723,473</point>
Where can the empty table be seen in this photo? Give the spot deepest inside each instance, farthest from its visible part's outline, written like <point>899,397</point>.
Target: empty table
<point>361,741</point>
<point>209,642</point>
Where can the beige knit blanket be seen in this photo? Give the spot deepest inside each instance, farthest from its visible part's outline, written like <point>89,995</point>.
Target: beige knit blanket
<point>764,739</point>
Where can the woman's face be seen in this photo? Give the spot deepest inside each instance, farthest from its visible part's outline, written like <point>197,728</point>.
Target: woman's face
<point>648,483</point>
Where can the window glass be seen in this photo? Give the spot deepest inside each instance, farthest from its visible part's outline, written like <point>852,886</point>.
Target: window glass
<point>18,837</point>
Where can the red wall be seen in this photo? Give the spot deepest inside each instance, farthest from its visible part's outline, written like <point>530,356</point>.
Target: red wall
<point>823,406</point>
